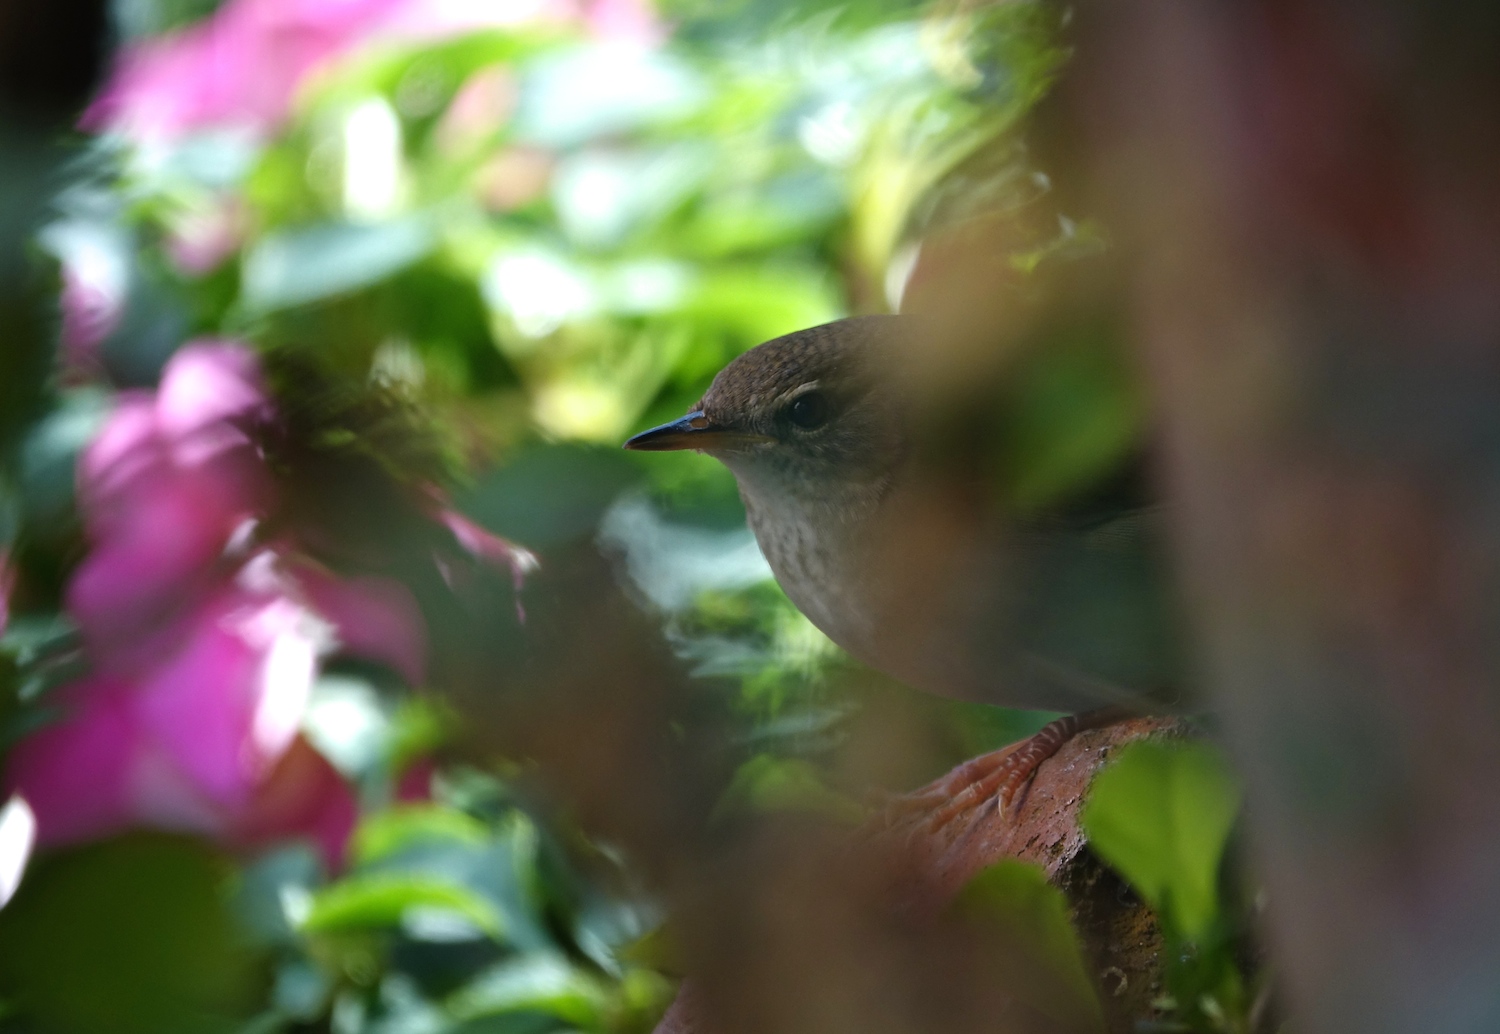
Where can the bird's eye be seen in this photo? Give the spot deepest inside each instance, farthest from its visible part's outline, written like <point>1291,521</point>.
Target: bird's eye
<point>808,411</point>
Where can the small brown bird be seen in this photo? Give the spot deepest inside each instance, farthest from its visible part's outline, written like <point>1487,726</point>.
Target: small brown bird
<point>889,537</point>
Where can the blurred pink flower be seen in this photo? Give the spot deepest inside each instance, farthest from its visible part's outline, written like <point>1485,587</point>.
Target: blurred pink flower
<point>203,647</point>
<point>163,488</point>
<point>239,68</point>
<point>242,67</point>
<point>631,21</point>
<point>91,309</point>
<point>373,617</point>
<point>487,548</point>
<point>184,743</point>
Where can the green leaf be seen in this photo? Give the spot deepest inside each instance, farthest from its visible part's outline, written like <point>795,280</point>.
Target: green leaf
<point>50,453</point>
<point>385,899</point>
<point>1161,816</point>
<point>388,832</point>
<point>540,982</point>
<point>601,89</point>
<point>1049,972</point>
<point>656,950</point>
<point>129,935</point>
<point>293,267</point>
<point>1075,412</point>
<point>547,494</point>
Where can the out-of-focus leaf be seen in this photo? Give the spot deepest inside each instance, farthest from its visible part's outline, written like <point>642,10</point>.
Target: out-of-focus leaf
<point>604,922</point>
<point>785,211</point>
<point>301,990</point>
<point>603,88</point>
<point>602,196</point>
<point>433,848</point>
<point>548,494</point>
<point>540,982</point>
<point>384,899</point>
<point>128,935</point>
<point>1160,815</point>
<point>1044,961</point>
<point>769,783</point>
<point>154,323</point>
<point>30,639</point>
<point>385,833</point>
<point>293,267</point>
<point>268,885</point>
<point>218,158</point>
<point>757,303</point>
<point>673,564</point>
<point>656,950</point>
<point>1075,411</point>
<point>49,454</point>
<point>539,290</point>
<point>436,69</point>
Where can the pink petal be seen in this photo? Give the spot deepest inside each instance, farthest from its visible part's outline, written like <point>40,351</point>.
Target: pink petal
<point>200,241</point>
<point>240,68</point>
<point>487,546</point>
<point>490,548</point>
<point>210,386</point>
<point>375,618</point>
<point>152,548</point>
<point>226,706</point>
<point>633,21</point>
<point>76,773</point>
<point>125,448</point>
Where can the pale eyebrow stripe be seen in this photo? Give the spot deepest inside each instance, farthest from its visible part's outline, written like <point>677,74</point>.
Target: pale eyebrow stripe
<point>801,389</point>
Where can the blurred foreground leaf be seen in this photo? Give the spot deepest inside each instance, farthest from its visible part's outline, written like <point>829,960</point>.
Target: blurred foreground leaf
<point>128,935</point>
<point>1045,961</point>
<point>769,783</point>
<point>298,266</point>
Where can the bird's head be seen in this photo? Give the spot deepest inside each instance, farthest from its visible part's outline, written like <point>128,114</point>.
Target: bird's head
<point>803,416</point>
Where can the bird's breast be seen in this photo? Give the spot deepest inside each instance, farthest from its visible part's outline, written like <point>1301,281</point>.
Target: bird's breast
<point>886,580</point>
<point>922,589</point>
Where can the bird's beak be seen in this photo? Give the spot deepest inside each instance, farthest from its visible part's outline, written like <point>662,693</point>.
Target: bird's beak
<point>694,431</point>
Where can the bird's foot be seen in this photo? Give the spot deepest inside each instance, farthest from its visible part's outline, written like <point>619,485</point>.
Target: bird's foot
<point>1001,774</point>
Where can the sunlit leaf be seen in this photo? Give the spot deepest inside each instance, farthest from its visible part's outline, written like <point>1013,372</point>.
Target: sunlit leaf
<point>603,88</point>
<point>383,899</point>
<point>540,982</point>
<point>1160,815</point>
<point>602,196</point>
<point>387,832</point>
